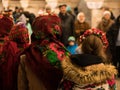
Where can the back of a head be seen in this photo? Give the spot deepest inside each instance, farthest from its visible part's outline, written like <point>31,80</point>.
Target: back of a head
<point>92,45</point>
<point>94,42</point>
<point>19,34</point>
<point>6,23</point>
<point>46,26</point>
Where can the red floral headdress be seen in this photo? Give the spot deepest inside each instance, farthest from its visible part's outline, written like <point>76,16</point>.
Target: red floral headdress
<point>96,32</point>
<point>47,25</point>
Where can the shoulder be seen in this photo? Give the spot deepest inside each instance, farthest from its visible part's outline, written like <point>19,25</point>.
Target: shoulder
<point>92,72</point>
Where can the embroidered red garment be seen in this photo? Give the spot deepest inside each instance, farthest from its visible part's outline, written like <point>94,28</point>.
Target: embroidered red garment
<point>8,66</point>
<point>44,55</point>
<point>6,24</point>
<point>19,34</point>
<point>8,62</point>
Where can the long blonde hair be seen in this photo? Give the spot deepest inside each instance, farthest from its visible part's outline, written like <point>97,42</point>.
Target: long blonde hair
<point>93,45</point>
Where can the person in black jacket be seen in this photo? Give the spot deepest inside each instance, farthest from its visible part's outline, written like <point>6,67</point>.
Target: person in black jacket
<point>67,22</point>
<point>113,36</point>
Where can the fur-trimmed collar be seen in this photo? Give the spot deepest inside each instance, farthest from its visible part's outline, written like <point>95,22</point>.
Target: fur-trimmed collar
<point>83,60</point>
<point>96,73</point>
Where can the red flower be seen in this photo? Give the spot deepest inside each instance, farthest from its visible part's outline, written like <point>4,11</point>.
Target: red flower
<point>57,27</point>
<point>44,42</point>
<point>96,32</point>
<point>56,48</point>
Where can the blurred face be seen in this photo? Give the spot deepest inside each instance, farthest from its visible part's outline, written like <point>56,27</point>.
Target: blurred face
<point>63,9</point>
<point>82,18</point>
<point>1,15</point>
<point>48,11</point>
<point>17,10</point>
<point>10,12</point>
<point>107,16</point>
<point>71,43</point>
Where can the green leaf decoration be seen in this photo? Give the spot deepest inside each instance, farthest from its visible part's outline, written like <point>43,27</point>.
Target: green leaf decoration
<point>52,57</point>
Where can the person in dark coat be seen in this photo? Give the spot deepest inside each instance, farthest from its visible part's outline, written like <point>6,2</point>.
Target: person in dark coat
<point>113,36</point>
<point>67,23</point>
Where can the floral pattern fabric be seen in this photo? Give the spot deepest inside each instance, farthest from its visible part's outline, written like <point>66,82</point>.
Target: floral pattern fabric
<point>53,52</point>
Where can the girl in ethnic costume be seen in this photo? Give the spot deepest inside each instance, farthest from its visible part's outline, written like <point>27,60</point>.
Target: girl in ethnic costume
<point>89,70</point>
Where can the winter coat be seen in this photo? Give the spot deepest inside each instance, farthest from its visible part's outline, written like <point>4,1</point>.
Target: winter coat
<point>67,23</point>
<point>112,35</point>
<point>72,49</point>
<point>85,72</point>
<point>80,28</point>
<point>104,25</point>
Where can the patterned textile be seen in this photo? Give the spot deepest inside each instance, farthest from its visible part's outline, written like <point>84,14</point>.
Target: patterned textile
<point>46,27</point>
<point>8,60</point>
<point>53,52</point>
<point>19,34</point>
<point>97,33</point>
<point>6,23</point>
<point>44,55</point>
<point>68,85</point>
<point>8,66</point>
<point>91,77</point>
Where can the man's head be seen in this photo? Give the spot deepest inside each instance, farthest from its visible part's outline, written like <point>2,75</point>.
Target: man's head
<point>62,8</point>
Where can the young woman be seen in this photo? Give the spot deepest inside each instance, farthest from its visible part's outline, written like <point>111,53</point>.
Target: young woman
<point>89,70</point>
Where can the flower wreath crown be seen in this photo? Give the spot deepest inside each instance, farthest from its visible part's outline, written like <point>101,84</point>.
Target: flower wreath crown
<point>96,32</point>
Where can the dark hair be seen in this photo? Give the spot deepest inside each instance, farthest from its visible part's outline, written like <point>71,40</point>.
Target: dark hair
<point>16,7</point>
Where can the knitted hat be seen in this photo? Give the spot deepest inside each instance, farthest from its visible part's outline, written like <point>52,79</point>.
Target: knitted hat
<point>62,5</point>
<point>106,12</point>
<point>68,8</point>
<point>71,38</point>
<point>6,23</point>
<point>46,26</point>
<point>48,7</point>
<point>19,34</point>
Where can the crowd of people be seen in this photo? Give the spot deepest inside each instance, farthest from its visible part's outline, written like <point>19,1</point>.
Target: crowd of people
<point>58,52</point>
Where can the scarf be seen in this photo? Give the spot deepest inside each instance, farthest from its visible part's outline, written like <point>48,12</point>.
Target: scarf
<point>45,59</point>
